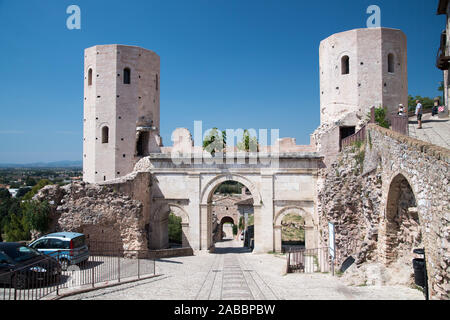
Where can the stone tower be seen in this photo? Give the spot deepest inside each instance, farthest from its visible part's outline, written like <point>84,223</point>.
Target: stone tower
<point>359,69</point>
<point>121,110</point>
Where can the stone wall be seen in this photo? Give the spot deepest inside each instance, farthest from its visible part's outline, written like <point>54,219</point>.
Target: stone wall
<point>104,213</point>
<point>387,198</point>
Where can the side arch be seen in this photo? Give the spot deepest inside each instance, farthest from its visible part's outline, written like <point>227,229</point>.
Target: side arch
<point>310,229</point>
<point>292,209</point>
<point>179,212</point>
<point>160,235</point>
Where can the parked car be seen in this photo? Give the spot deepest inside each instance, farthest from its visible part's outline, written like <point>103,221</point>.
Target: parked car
<point>21,266</point>
<point>67,247</point>
<point>242,235</point>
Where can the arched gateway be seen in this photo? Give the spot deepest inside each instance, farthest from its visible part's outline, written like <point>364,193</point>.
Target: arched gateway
<point>189,186</point>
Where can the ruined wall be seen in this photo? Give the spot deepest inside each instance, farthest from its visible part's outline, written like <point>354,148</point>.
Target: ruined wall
<point>104,213</point>
<point>387,198</point>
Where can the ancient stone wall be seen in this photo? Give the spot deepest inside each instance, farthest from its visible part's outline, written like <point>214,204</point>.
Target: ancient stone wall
<point>387,198</point>
<point>104,213</point>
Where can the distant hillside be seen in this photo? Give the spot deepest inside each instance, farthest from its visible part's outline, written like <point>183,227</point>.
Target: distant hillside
<point>56,164</point>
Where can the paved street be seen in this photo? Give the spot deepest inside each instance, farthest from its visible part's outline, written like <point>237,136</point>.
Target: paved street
<point>434,130</point>
<point>234,273</point>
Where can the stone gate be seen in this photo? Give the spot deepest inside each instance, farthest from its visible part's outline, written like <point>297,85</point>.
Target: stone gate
<point>187,189</point>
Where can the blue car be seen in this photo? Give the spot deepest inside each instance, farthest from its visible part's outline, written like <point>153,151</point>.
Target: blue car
<point>67,247</point>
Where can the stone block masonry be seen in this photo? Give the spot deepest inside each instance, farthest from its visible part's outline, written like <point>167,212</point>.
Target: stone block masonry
<point>389,197</point>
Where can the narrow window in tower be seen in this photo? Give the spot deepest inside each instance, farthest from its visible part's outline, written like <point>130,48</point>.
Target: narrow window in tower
<point>391,64</point>
<point>157,80</point>
<point>126,76</point>
<point>90,77</point>
<point>345,65</point>
<point>105,134</point>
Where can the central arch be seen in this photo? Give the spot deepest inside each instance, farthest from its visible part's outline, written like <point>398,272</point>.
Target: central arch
<point>207,241</point>
<point>212,185</point>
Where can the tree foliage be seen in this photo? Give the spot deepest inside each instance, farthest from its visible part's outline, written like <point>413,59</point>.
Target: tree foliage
<point>175,230</point>
<point>248,143</point>
<point>37,214</point>
<point>380,117</point>
<point>427,103</point>
<point>215,141</point>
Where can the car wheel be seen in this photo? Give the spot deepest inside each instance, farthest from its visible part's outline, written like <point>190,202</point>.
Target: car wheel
<point>64,264</point>
<point>20,281</point>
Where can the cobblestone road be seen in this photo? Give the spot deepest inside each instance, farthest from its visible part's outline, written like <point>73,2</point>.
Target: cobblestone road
<point>233,273</point>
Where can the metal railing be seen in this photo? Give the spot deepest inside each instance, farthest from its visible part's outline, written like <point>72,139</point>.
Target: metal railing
<point>358,136</point>
<point>36,281</point>
<point>309,261</point>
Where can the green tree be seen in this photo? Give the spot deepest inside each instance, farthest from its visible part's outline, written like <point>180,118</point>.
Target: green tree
<point>17,228</point>
<point>241,223</point>
<point>37,214</point>
<point>175,231</point>
<point>215,141</point>
<point>248,143</point>
<point>22,191</point>
<point>235,229</point>
<point>29,181</point>
<point>380,117</point>
<point>5,202</point>
<point>427,103</point>
<point>42,183</point>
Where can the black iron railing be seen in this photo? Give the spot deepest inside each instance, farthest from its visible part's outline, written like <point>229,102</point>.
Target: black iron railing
<point>35,281</point>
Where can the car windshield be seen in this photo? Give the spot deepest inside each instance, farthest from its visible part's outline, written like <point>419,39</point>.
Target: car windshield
<point>21,253</point>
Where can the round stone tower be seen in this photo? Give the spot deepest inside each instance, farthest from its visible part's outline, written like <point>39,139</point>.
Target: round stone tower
<point>359,69</point>
<point>121,109</point>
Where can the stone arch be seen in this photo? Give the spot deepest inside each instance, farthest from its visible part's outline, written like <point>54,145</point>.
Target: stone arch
<point>179,212</point>
<point>206,239</point>
<point>309,226</point>
<point>226,219</point>
<point>402,220</point>
<point>160,221</point>
<point>212,185</point>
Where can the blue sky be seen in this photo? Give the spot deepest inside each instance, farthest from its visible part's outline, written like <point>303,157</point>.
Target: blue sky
<point>230,63</point>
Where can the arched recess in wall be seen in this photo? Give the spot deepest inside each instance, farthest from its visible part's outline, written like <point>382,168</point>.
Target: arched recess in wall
<point>126,76</point>
<point>391,63</point>
<point>345,65</point>
<point>402,222</point>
